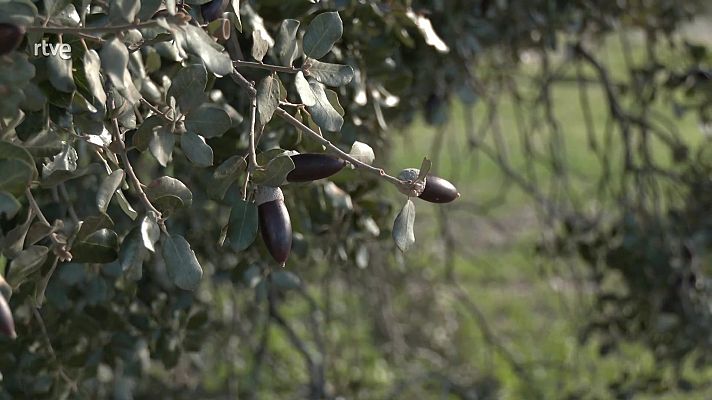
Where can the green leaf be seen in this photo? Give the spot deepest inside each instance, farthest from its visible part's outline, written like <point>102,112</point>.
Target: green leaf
<point>304,90</point>
<point>101,246</point>
<point>330,74</point>
<point>125,205</point>
<point>208,121</point>
<point>197,42</point>
<point>148,9</point>
<point>334,101</point>
<point>53,7</point>
<point>161,146</point>
<point>123,10</point>
<point>9,206</point>
<point>403,227</point>
<point>267,98</point>
<point>25,264</point>
<point>188,87</point>
<point>150,232</point>
<point>145,132</point>
<point>9,151</point>
<point>225,175</point>
<point>132,255</point>
<point>38,231</point>
<point>181,264</point>
<point>15,176</point>
<point>286,280</point>
<point>168,194</point>
<point>66,160</point>
<point>58,177</point>
<point>362,152</point>
<point>60,73</point>
<point>323,112</point>
<point>21,12</point>
<point>322,33</point>
<point>107,189</point>
<point>243,225</point>
<point>235,15</point>
<point>13,241</point>
<point>114,61</point>
<point>286,45</point>
<point>92,224</point>
<point>260,45</point>
<point>275,172</point>
<point>196,150</point>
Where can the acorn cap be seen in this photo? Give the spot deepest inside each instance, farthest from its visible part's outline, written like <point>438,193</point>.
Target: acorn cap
<point>267,193</point>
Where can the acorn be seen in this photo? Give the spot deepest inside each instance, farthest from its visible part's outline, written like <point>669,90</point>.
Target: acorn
<point>10,37</point>
<point>274,223</point>
<point>7,325</point>
<point>313,166</point>
<point>213,10</point>
<point>436,190</point>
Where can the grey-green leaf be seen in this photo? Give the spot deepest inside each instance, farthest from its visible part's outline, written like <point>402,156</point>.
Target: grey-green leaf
<point>275,172</point>
<point>101,246</point>
<point>182,265</point>
<point>259,45</point>
<point>114,61</point>
<point>243,225</point>
<point>107,189</point>
<point>188,87</point>
<point>124,10</point>
<point>331,74</point>
<point>304,90</point>
<point>150,232</point>
<point>92,71</point>
<point>201,44</point>
<point>60,73</point>
<point>132,255</point>
<point>25,264</point>
<point>9,206</point>
<point>403,227</point>
<point>15,176</point>
<point>362,152</point>
<point>168,193</point>
<point>286,44</point>
<point>162,145</point>
<point>323,112</point>
<point>208,121</point>
<point>322,33</point>
<point>196,150</point>
<point>267,98</point>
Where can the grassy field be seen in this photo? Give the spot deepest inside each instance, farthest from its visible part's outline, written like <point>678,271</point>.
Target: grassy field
<point>535,306</point>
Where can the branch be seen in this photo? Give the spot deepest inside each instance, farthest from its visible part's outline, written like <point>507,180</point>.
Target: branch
<point>269,67</point>
<point>83,30</point>
<point>401,185</point>
<point>133,179</point>
<point>60,245</point>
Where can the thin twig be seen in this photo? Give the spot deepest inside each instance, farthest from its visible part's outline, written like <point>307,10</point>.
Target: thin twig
<point>84,30</point>
<point>269,67</point>
<point>133,179</point>
<point>401,185</point>
<point>156,110</point>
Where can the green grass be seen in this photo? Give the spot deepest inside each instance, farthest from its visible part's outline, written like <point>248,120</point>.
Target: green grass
<point>536,306</point>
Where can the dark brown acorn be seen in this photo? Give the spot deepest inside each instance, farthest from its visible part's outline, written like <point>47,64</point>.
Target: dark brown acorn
<point>10,37</point>
<point>439,190</point>
<point>213,10</point>
<point>312,166</point>
<point>7,325</point>
<point>275,226</point>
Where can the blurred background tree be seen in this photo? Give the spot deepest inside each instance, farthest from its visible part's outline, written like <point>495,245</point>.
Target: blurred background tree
<point>573,266</point>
